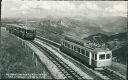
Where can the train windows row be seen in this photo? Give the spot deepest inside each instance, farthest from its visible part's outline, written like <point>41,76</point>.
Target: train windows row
<point>102,56</point>
<point>86,53</point>
<point>76,49</point>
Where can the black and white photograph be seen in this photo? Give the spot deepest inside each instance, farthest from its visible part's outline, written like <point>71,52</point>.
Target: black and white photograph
<point>68,40</point>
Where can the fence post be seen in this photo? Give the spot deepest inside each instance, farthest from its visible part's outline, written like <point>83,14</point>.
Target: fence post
<point>36,61</point>
<point>33,56</point>
<point>44,73</point>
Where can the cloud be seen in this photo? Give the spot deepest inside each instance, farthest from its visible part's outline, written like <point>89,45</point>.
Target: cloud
<point>92,6</point>
<point>119,9</point>
<point>65,8</point>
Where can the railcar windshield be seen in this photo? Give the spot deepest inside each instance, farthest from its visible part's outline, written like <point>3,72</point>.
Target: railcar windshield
<point>83,51</point>
<point>87,53</point>
<point>30,31</point>
<point>101,56</point>
<point>68,45</point>
<point>108,56</point>
<point>65,44</point>
<point>78,49</point>
<point>72,47</point>
<point>75,48</point>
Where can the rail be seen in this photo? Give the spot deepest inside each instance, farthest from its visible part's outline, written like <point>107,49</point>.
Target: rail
<point>111,74</point>
<point>64,68</point>
<point>49,41</point>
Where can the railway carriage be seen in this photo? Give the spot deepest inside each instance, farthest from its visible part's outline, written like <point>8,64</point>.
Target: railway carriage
<point>89,53</point>
<point>21,31</point>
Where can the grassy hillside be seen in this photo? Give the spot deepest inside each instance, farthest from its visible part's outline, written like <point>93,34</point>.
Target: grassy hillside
<point>16,58</point>
<point>121,55</point>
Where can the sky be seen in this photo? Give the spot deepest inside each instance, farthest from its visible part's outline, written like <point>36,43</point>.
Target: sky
<point>40,9</point>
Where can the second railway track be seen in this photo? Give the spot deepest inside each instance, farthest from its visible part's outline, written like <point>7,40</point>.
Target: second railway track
<point>64,68</point>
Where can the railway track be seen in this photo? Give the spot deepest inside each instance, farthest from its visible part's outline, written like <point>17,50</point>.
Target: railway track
<point>49,41</point>
<point>106,72</point>
<point>110,74</point>
<point>64,68</point>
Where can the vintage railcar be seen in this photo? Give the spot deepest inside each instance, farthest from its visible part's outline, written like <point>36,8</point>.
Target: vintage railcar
<point>23,32</point>
<point>96,56</point>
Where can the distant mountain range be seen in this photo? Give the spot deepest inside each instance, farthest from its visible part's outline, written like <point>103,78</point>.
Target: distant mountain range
<point>82,27</point>
<point>89,26</point>
<point>106,28</point>
<point>86,26</point>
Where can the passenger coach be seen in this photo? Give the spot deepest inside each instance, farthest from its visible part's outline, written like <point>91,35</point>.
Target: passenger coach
<point>23,32</point>
<point>95,55</point>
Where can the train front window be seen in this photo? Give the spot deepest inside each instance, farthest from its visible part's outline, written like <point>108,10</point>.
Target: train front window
<point>78,49</point>
<point>72,47</point>
<point>82,51</point>
<point>30,31</point>
<point>87,53</point>
<point>75,49</point>
<point>107,56</point>
<point>101,56</point>
<point>66,44</point>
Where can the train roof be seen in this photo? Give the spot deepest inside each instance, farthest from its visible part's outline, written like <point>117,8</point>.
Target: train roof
<point>88,44</point>
<point>22,26</point>
<point>74,40</point>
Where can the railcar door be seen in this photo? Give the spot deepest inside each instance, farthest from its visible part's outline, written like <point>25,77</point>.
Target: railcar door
<point>94,59</point>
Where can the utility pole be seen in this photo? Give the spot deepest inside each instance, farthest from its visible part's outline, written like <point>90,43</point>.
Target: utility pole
<point>1,73</point>
<point>127,46</point>
<point>0,23</point>
<point>26,19</point>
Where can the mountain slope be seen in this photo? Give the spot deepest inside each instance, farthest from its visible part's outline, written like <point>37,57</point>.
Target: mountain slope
<point>84,27</point>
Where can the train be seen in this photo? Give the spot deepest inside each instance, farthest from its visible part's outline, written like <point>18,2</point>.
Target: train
<point>95,55</point>
<point>87,52</point>
<point>21,31</point>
